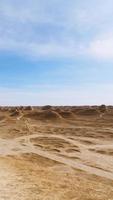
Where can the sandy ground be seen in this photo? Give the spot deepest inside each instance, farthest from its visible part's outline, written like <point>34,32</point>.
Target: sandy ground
<point>49,155</point>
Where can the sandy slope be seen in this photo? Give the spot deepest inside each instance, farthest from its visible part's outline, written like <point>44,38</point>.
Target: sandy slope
<point>47,156</point>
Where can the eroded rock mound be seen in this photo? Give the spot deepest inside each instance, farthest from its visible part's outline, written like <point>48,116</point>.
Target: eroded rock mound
<point>67,114</point>
<point>44,115</point>
<point>47,107</point>
<point>15,113</point>
<point>89,112</point>
<point>28,108</point>
<point>103,108</point>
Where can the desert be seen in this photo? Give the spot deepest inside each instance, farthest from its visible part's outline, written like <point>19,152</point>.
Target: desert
<point>56,153</point>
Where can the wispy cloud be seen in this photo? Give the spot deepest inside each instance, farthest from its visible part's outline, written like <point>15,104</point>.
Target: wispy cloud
<point>102,47</point>
<point>57,28</point>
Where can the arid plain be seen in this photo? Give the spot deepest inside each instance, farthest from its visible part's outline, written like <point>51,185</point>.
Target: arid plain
<point>56,153</point>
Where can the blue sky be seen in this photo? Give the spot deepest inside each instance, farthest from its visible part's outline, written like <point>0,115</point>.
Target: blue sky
<point>57,52</point>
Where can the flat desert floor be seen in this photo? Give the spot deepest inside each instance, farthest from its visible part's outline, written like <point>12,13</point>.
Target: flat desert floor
<point>56,153</point>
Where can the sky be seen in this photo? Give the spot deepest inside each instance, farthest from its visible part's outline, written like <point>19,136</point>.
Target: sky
<point>56,52</point>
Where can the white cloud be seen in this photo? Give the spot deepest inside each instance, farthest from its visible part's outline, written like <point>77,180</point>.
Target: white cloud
<point>34,49</point>
<point>102,47</point>
<point>54,29</point>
